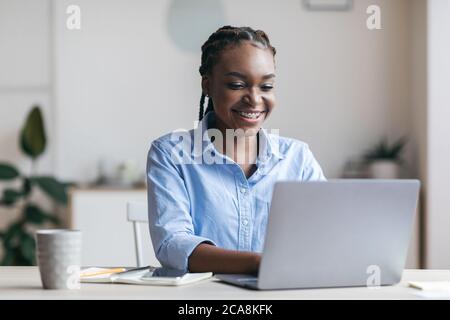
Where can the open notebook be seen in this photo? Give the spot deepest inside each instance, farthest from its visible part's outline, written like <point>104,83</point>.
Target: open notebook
<point>143,276</point>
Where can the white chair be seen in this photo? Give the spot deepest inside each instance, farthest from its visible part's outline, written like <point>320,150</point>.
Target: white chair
<point>138,215</point>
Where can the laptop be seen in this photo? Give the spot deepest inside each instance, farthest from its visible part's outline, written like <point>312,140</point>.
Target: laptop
<point>336,233</point>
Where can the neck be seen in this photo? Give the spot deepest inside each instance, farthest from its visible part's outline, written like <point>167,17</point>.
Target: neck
<point>242,148</point>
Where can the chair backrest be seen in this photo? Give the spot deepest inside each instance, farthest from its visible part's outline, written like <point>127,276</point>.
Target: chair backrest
<point>137,214</point>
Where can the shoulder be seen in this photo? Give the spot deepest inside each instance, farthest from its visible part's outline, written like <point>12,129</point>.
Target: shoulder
<point>287,146</point>
<point>175,139</point>
<point>300,158</point>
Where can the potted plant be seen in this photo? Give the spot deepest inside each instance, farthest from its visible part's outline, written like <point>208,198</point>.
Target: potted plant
<point>384,160</point>
<point>18,238</point>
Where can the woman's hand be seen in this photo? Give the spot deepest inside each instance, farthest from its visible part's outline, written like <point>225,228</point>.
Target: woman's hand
<point>209,258</point>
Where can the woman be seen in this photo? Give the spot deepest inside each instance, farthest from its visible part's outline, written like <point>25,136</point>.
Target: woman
<point>212,215</point>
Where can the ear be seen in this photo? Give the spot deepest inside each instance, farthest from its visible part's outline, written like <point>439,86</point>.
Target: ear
<point>205,85</point>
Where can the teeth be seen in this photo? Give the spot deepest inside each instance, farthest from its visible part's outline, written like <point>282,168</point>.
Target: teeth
<point>250,115</point>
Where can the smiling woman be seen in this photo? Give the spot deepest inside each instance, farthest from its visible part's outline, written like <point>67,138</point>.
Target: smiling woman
<point>247,66</point>
<point>212,216</point>
<point>238,74</point>
<point>245,98</point>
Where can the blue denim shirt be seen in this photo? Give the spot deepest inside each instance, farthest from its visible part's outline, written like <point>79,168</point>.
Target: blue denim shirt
<point>193,199</point>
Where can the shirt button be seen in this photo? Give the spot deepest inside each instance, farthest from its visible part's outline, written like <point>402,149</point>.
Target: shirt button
<point>245,222</point>
<point>243,190</point>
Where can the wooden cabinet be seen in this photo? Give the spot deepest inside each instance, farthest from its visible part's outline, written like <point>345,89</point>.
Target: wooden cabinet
<point>108,238</point>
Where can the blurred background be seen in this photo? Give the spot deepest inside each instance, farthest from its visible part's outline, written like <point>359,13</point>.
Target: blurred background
<point>98,80</point>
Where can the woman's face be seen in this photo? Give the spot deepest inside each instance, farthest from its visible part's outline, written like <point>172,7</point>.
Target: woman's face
<point>241,86</point>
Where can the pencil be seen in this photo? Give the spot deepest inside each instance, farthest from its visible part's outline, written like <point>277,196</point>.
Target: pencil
<point>106,271</point>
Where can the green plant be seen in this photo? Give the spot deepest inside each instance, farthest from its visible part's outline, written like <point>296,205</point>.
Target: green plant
<point>18,239</point>
<point>384,151</point>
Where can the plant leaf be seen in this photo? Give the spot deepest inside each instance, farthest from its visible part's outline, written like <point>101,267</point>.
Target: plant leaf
<point>8,257</point>
<point>397,148</point>
<point>27,248</point>
<point>384,151</point>
<point>33,139</point>
<point>15,257</point>
<point>10,196</point>
<point>52,187</point>
<point>26,187</point>
<point>8,172</point>
<point>34,214</point>
<point>24,146</point>
<point>13,231</point>
<point>18,246</point>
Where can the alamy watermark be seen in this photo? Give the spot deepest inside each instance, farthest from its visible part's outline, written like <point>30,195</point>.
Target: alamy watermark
<point>373,22</point>
<point>73,280</point>
<point>374,278</point>
<point>73,21</point>
<point>207,146</point>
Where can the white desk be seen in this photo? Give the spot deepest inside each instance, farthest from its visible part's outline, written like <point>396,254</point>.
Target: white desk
<point>24,283</point>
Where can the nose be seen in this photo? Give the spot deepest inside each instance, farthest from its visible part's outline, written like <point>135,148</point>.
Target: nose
<point>253,97</point>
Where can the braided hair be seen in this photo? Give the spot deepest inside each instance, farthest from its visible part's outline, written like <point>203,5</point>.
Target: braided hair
<point>217,42</point>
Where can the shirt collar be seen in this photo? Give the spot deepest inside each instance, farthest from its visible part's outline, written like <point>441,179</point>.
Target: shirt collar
<point>268,145</point>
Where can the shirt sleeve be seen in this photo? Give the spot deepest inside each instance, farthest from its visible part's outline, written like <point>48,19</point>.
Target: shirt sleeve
<point>312,170</point>
<point>170,221</point>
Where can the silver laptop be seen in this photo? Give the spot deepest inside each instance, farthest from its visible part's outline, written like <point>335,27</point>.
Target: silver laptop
<point>338,233</point>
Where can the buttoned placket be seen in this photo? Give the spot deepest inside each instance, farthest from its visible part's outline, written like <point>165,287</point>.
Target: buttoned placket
<point>245,201</point>
<point>244,194</point>
<point>245,210</point>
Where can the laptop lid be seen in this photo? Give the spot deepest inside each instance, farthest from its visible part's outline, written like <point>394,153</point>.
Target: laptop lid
<point>338,233</point>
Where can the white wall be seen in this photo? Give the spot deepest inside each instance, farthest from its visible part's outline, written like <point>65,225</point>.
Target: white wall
<point>418,100</point>
<point>24,72</point>
<point>123,82</point>
<point>438,208</point>
<point>25,80</point>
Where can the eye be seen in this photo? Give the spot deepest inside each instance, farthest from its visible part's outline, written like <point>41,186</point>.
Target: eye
<point>236,85</point>
<point>267,87</point>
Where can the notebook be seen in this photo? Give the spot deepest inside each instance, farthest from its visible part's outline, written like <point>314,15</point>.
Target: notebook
<point>143,276</point>
<point>431,289</point>
<point>431,285</point>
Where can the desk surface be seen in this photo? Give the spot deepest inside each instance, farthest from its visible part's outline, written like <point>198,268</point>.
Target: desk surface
<point>24,283</point>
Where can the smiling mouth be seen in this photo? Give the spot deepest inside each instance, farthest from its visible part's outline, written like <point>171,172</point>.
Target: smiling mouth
<point>249,115</point>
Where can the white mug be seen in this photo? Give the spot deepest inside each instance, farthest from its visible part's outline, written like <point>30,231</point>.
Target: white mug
<point>59,258</point>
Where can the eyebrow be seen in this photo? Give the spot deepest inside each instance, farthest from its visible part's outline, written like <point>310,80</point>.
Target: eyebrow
<point>240,75</point>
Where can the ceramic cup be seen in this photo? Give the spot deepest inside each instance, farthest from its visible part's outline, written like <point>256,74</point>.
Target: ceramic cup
<point>59,258</point>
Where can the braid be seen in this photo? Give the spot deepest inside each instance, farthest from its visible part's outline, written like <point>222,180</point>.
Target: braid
<point>202,107</point>
<point>224,37</point>
<point>202,102</point>
<point>210,106</point>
